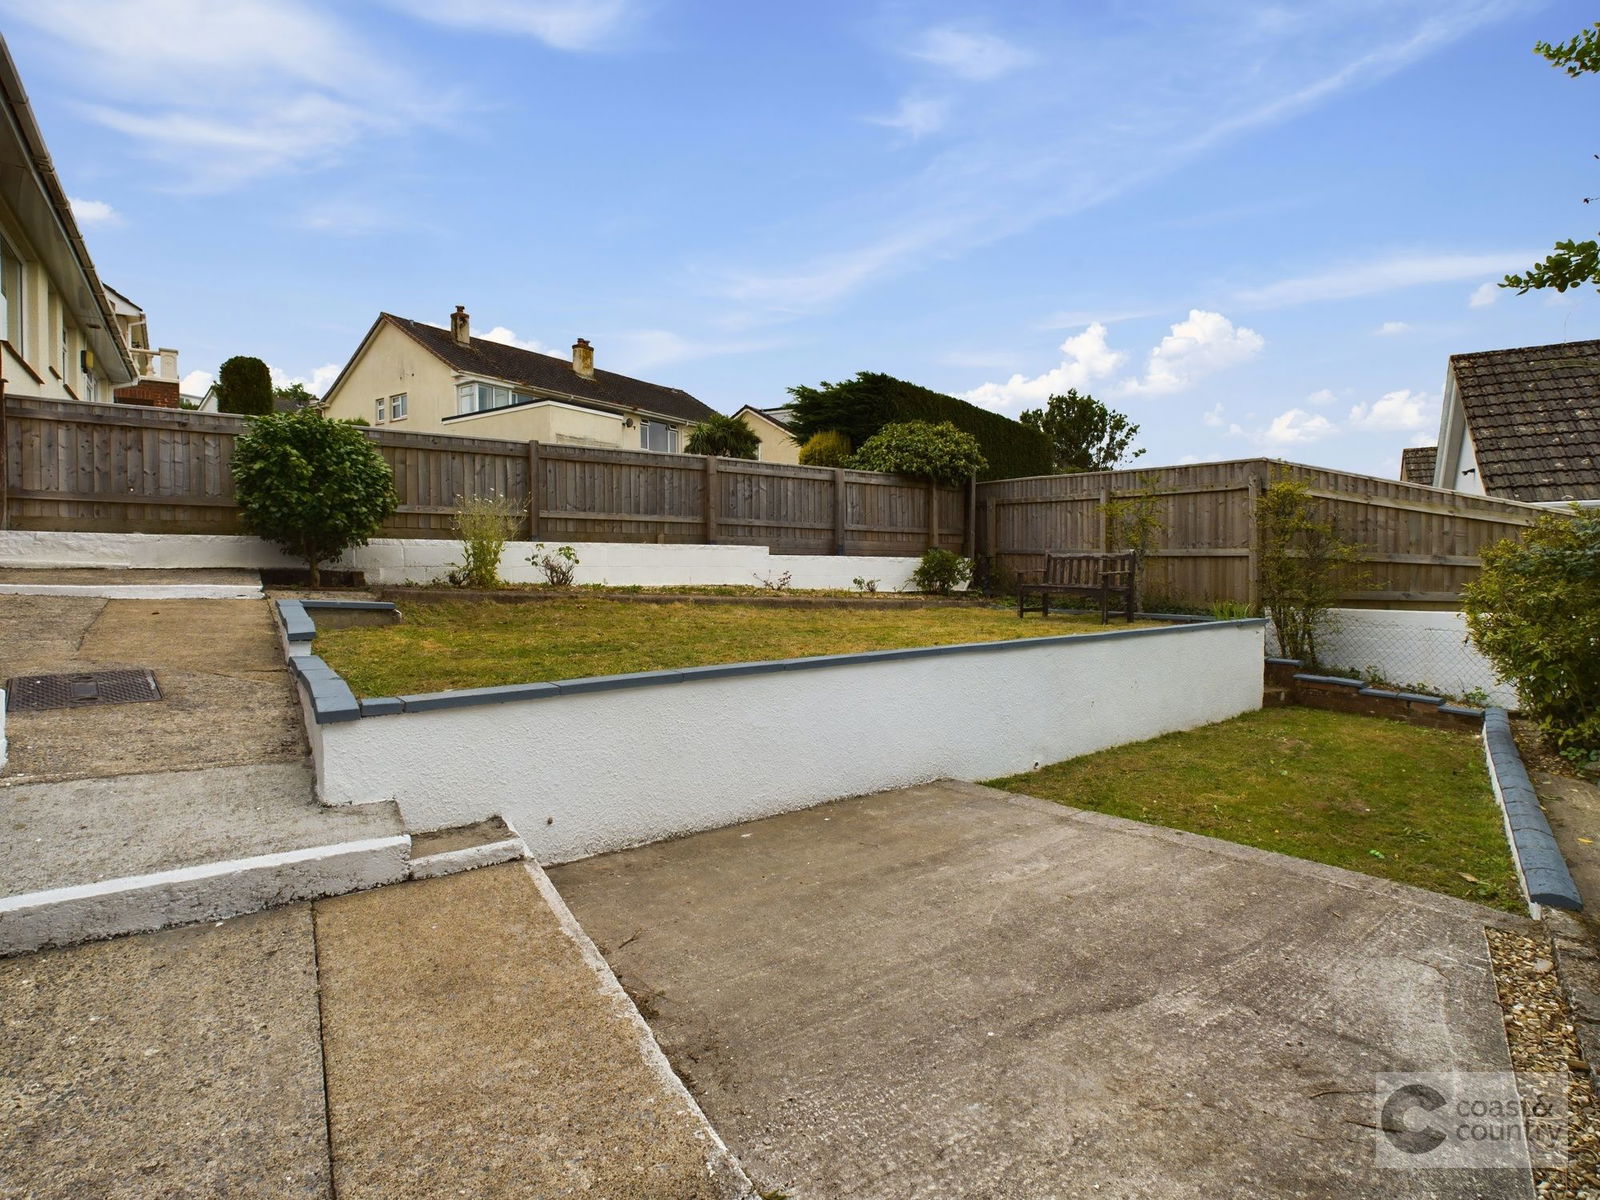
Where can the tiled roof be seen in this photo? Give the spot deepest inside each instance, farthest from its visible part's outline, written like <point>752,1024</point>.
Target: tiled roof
<point>1534,416</point>
<point>1416,464</point>
<point>545,372</point>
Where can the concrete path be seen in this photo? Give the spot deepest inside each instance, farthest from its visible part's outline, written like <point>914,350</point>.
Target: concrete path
<point>473,1043</point>
<point>951,991</point>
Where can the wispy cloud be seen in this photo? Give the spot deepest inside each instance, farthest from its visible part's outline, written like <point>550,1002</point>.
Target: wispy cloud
<point>506,337</point>
<point>645,348</point>
<point>916,117</point>
<point>1484,295</point>
<point>1038,146</point>
<point>968,54</point>
<point>94,212</point>
<point>1377,276</point>
<point>227,93</point>
<point>561,24</point>
<point>1392,329</point>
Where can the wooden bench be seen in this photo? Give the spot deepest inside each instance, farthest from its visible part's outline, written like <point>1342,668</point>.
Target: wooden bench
<point>1092,574</point>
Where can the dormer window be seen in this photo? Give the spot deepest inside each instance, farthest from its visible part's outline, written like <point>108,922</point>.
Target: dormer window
<point>481,397</point>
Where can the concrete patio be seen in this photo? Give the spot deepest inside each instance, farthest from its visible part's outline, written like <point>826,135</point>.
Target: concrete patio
<point>949,990</point>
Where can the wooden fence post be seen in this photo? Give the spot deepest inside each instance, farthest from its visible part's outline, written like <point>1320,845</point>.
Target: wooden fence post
<point>933,515</point>
<point>841,513</point>
<point>1105,521</point>
<point>535,491</point>
<point>969,538</point>
<point>711,500</point>
<point>1252,562</point>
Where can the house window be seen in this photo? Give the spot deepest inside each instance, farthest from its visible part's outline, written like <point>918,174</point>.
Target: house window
<point>91,387</point>
<point>66,354</point>
<point>481,397</point>
<point>658,435</point>
<point>10,297</point>
<point>397,407</point>
<point>377,406</point>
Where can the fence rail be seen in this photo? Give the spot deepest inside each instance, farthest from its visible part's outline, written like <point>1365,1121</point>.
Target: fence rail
<point>128,469</point>
<point>1418,545</point>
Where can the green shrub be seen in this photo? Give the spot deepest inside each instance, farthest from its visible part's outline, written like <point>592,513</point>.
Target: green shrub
<point>941,572</point>
<point>1534,612</point>
<point>244,386</point>
<point>941,453</point>
<point>722,436</point>
<point>558,567</point>
<point>314,487</point>
<point>1228,610</point>
<point>860,407</point>
<point>486,524</point>
<point>830,448</point>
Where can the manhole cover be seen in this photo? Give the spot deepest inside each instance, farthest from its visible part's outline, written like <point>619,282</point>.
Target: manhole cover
<point>88,690</point>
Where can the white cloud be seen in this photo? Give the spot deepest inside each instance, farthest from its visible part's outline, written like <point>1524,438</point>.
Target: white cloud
<point>1201,344</point>
<point>1392,329</point>
<point>317,382</point>
<point>1296,427</point>
<point>94,212</point>
<point>1088,358</point>
<point>1377,276</point>
<point>227,93</point>
<point>196,383</point>
<point>645,348</point>
<point>506,337</point>
<point>916,117</point>
<point>1395,412</point>
<point>560,24</point>
<point>1483,295</point>
<point>1213,417</point>
<point>1188,460</point>
<point>969,55</point>
<point>1321,396</point>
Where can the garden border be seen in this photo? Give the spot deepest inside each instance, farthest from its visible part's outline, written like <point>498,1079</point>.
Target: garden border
<point>1546,879</point>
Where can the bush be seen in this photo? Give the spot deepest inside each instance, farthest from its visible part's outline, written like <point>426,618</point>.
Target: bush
<point>830,448</point>
<point>722,436</point>
<point>860,407</point>
<point>941,572</point>
<point>1301,560</point>
<point>244,386</point>
<point>941,453</point>
<point>559,566</point>
<point>486,524</point>
<point>314,487</point>
<point>1534,612</point>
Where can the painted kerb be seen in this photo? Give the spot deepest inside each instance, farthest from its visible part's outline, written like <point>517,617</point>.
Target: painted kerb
<point>1545,877</point>
<point>586,766</point>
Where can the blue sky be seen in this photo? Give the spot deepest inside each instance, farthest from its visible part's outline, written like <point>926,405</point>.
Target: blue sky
<point>1256,229</point>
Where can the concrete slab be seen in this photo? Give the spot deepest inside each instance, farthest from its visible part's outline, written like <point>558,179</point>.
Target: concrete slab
<point>948,990</point>
<point>182,1063</point>
<point>474,1050</point>
<point>1573,806</point>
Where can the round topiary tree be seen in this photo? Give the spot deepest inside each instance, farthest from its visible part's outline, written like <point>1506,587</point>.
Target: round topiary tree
<point>722,436</point>
<point>922,450</point>
<point>244,386</point>
<point>314,487</point>
<point>830,448</point>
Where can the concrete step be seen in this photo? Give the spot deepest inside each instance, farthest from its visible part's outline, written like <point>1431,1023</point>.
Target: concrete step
<point>464,848</point>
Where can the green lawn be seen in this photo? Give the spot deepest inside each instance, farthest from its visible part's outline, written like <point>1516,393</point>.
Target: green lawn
<point>1380,797</point>
<point>465,644</point>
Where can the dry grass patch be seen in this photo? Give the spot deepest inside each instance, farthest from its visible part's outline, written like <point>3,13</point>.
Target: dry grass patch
<point>439,647</point>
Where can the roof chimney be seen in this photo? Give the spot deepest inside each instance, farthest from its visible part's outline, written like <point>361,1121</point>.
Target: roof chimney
<point>461,326</point>
<point>583,358</point>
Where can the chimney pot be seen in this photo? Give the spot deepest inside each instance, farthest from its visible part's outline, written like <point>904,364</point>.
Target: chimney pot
<point>461,326</point>
<point>583,358</point>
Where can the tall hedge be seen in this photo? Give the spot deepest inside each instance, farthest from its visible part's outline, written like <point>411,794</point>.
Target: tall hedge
<point>860,407</point>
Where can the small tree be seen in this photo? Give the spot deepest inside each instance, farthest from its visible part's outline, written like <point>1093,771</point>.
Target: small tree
<point>1534,611</point>
<point>293,395</point>
<point>313,486</point>
<point>1133,522</point>
<point>1302,558</point>
<point>829,448</point>
<point>1084,434</point>
<point>486,524</point>
<point>722,436</point>
<point>941,453</point>
<point>244,386</point>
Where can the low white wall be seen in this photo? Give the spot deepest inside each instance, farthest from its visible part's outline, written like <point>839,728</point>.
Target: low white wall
<point>419,560</point>
<point>585,773</point>
<point>1424,649</point>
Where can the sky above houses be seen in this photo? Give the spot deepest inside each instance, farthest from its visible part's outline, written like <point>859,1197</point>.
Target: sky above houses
<point>1256,229</point>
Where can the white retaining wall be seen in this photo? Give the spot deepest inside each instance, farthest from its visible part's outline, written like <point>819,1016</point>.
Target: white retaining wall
<point>419,560</point>
<point>585,773</point>
<point>1411,647</point>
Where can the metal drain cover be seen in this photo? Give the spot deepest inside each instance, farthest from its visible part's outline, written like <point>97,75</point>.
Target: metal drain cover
<point>93,689</point>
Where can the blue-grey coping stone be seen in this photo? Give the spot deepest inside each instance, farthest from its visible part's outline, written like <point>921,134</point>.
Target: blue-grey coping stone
<point>1381,694</point>
<point>350,605</point>
<point>1356,684</point>
<point>1461,710</point>
<point>1284,662</point>
<point>1419,698</point>
<point>730,670</point>
<point>382,706</point>
<point>1544,871</point>
<point>614,683</point>
<point>473,697</point>
<point>297,625</point>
